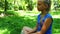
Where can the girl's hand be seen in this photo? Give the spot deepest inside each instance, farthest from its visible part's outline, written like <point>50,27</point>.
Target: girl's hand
<point>39,32</point>
<point>30,32</point>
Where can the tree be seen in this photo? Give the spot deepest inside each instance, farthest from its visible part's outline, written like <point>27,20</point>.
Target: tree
<point>6,5</point>
<point>2,4</point>
<point>56,4</point>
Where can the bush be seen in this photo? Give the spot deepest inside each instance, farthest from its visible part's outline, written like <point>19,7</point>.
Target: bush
<point>16,8</point>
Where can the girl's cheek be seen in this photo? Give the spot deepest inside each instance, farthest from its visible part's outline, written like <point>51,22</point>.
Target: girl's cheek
<point>37,6</point>
<point>44,7</point>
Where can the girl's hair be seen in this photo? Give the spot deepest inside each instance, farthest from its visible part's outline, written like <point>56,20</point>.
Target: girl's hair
<point>48,2</point>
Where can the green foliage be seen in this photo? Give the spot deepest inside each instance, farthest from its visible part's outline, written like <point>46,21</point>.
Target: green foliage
<point>9,5</point>
<point>30,4</point>
<point>56,4</point>
<point>2,4</point>
<point>16,8</point>
<point>24,4</point>
<point>20,8</point>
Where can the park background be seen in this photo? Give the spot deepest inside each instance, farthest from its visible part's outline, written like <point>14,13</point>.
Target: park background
<point>14,14</point>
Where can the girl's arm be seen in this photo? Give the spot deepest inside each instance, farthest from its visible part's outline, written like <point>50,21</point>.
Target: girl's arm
<point>34,29</point>
<point>45,26</point>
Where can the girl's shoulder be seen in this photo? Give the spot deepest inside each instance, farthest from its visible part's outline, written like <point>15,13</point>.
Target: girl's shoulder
<point>48,15</point>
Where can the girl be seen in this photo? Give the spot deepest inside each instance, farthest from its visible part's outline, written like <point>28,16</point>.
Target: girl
<point>44,24</point>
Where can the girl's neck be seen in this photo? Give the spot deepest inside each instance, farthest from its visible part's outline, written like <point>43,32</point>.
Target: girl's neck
<point>44,12</point>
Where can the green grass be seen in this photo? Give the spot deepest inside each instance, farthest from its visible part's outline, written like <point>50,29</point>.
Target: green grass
<point>14,24</point>
<point>56,26</point>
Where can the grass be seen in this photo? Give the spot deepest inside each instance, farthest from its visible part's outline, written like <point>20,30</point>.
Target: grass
<point>14,24</point>
<point>56,26</point>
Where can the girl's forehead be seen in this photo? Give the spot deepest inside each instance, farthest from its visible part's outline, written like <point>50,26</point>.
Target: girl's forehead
<point>40,0</point>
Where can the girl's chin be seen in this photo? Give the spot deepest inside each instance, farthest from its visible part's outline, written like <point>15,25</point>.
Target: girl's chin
<point>39,10</point>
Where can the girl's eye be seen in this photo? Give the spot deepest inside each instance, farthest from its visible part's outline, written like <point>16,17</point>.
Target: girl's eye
<point>39,4</point>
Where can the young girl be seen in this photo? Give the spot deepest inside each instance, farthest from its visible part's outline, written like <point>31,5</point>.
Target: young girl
<point>44,24</point>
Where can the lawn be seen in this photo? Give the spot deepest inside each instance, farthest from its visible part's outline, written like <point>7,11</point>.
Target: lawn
<point>13,24</point>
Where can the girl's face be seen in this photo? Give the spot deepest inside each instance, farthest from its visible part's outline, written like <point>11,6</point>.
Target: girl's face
<point>41,6</point>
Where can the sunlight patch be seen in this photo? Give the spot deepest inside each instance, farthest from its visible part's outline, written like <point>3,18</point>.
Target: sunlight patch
<point>2,15</point>
<point>4,31</point>
<point>56,16</point>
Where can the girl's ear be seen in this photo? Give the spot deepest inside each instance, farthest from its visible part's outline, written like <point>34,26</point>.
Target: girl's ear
<point>46,5</point>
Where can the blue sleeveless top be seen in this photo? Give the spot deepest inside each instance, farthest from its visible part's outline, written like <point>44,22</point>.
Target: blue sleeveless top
<point>49,31</point>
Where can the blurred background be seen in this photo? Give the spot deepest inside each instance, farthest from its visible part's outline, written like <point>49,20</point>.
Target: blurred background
<point>14,14</point>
